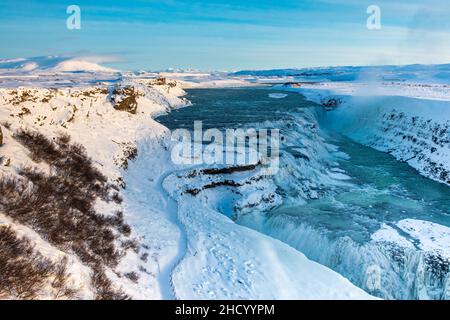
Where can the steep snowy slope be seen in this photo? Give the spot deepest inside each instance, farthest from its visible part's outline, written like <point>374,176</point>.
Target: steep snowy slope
<point>228,261</point>
<point>107,121</point>
<point>416,131</point>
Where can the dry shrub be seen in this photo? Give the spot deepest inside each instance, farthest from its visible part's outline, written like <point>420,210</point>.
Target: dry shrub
<point>104,286</point>
<point>6,124</point>
<point>144,257</point>
<point>22,97</point>
<point>60,279</point>
<point>24,272</point>
<point>133,276</point>
<point>130,244</point>
<point>60,205</point>
<point>130,152</point>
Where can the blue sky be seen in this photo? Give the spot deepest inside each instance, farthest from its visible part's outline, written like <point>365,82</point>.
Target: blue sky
<point>229,35</point>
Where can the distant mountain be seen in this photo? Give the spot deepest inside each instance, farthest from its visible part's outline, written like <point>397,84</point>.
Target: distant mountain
<point>416,72</point>
<point>54,63</point>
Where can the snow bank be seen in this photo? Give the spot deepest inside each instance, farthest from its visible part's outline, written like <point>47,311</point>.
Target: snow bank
<point>228,261</point>
<point>429,236</point>
<point>207,80</point>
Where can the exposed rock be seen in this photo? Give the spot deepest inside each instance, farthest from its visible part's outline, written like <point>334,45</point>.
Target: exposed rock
<point>125,99</point>
<point>422,140</point>
<point>229,170</point>
<point>331,103</point>
<point>129,152</point>
<point>22,95</point>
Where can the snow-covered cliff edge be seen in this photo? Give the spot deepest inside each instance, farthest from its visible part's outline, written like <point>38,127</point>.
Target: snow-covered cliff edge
<point>411,122</point>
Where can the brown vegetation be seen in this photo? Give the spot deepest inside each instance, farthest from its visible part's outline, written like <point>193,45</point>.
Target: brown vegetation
<point>24,96</point>
<point>6,124</point>
<point>24,272</point>
<point>130,152</point>
<point>60,205</point>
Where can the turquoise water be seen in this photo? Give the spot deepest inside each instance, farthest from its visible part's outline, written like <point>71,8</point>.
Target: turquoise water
<point>232,108</point>
<point>336,229</point>
<point>383,190</point>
